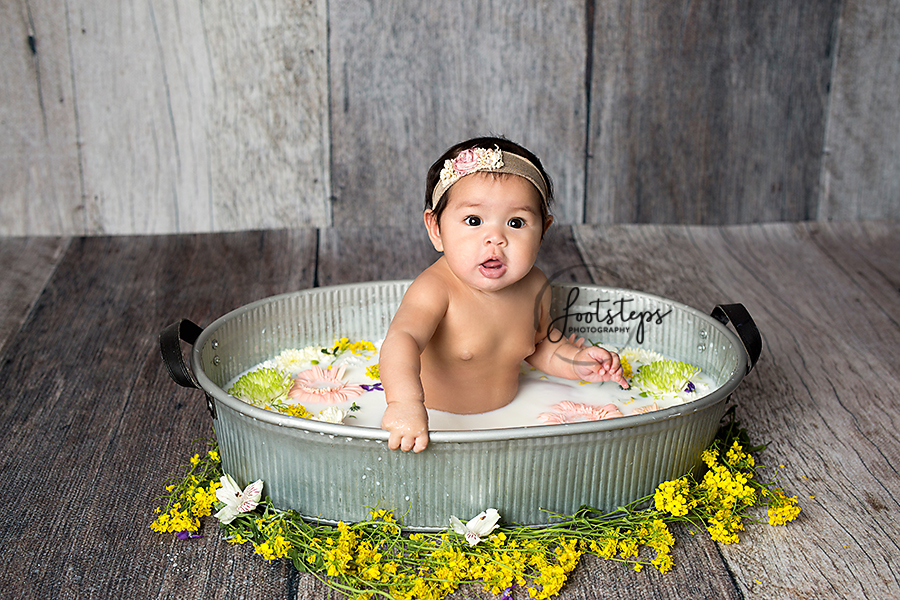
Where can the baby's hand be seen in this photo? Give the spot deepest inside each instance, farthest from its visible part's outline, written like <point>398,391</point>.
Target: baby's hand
<point>408,424</point>
<point>594,364</point>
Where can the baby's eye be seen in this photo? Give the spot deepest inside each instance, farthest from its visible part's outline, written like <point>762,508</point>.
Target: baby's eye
<point>516,223</point>
<point>472,221</point>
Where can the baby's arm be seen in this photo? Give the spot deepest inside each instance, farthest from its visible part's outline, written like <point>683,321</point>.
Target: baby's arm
<point>570,359</point>
<point>400,365</point>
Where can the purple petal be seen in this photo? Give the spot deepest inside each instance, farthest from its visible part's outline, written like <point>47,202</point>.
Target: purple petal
<point>690,387</point>
<point>187,535</point>
<point>507,593</point>
<point>375,387</point>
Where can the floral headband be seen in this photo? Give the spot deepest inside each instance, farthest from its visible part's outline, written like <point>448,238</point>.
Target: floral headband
<point>493,160</point>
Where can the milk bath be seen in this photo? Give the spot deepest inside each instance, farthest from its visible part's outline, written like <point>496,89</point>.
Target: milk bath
<point>350,368</point>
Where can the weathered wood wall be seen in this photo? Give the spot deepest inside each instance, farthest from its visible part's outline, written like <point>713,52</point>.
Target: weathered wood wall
<point>184,115</point>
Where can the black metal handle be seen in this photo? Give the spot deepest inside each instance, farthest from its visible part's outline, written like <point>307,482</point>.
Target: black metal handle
<point>173,357</point>
<point>745,327</point>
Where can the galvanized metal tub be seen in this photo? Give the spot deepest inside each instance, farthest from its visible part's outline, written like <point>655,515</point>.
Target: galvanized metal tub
<point>330,472</point>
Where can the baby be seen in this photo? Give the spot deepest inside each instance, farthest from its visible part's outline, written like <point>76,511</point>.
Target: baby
<point>469,320</point>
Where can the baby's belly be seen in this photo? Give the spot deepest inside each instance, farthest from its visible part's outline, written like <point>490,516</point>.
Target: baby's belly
<point>470,390</point>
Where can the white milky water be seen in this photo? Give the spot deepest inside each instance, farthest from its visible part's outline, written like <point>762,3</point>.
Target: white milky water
<point>538,393</point>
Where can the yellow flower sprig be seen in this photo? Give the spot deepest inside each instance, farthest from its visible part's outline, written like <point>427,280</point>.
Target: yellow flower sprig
<point>362,348</point>
<point>723,498</point>
<point>375,558</point>
<point>190,496</point>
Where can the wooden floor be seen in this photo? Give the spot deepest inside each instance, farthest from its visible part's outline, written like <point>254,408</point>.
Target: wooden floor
<point>91,424</point>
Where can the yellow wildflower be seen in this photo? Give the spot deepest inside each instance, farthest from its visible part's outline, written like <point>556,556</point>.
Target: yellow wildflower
<point>663,562</point>
<point>671,497</point>
<point>784,509</point>
<point>736,457</point>
<point>710,456</point>
<point>362,348</point>
<point>383,515</point>
<point>626,367</point>
<point>296,410</point>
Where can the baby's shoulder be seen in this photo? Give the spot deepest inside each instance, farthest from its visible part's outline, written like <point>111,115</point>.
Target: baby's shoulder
<point>430,287</point>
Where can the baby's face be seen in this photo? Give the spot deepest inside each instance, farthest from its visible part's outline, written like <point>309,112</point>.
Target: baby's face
<point>490,231</point>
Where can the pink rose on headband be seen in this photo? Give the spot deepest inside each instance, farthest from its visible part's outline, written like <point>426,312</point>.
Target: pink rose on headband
<point>466,162</point>
<point>470,161</point>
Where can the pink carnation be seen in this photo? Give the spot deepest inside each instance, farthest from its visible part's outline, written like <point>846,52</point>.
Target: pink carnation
<point>573,412</point>
<point>323,386</point>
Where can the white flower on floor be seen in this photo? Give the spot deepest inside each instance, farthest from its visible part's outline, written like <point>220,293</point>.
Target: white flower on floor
<point>235,500</point>
<point>332,414</point>
<point>478,527</point>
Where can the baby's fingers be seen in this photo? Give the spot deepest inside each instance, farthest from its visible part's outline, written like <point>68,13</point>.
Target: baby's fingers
<point>576,342</point>
<point>421,443</point>
<point>408,442</point>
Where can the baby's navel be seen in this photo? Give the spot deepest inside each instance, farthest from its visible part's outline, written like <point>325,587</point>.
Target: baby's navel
<point>466,355</point>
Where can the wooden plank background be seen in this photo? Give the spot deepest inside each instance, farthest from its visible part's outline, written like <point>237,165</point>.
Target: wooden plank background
<point>182,116</point>
<point>717,114</point>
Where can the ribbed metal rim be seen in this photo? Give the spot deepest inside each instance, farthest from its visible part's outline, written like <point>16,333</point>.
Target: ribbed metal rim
<point>482,435</point>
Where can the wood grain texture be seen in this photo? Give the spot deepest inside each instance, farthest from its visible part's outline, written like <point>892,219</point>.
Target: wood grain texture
<point>90,420</point>
<point>825,299</point>
<point>168,116</point>
<point>26,265</point>
<point>40,180</point>
<point>268,130</point>
<point>860,173</point>
<point>355,255</point>
<point>708,113</point>
<point>181,116</point>
<point>410,79</point>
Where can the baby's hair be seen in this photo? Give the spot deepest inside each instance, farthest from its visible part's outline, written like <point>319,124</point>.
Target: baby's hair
<point>434,173</point>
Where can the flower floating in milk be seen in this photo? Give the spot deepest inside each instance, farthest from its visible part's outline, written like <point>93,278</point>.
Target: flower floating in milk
<point>573,412</point>
<point>267,385</point>
<point>645,409</point>
<point>664,376</point>
<point>323,386</point>
<point>293,359</point>
<point>358,351</point>
<point>332,414</point>
<point>640,356</point>
<point>236,501</point>
<point>476,528</point>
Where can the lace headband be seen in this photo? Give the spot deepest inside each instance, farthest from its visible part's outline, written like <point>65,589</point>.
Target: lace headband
<point>493,160</point>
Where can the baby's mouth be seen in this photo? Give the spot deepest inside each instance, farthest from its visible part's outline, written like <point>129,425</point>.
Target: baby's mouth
<point>492,268</point>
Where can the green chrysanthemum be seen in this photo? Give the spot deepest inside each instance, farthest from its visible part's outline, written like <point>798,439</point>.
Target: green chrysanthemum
<point>664,376</point>
<point>262,387</point>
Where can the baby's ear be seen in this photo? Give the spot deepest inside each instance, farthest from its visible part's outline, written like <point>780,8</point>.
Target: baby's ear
<point>434,230</point>
<point>547,224</point>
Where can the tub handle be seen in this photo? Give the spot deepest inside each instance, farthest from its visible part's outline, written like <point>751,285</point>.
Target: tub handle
<point>172,356</point>
<point>745,327</point>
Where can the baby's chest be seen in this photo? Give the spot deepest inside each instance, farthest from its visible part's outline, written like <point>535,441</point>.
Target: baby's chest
<point>506,336</point>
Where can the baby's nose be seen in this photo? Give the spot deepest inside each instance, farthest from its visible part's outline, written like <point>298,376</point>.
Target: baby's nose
<point>495,236</point>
